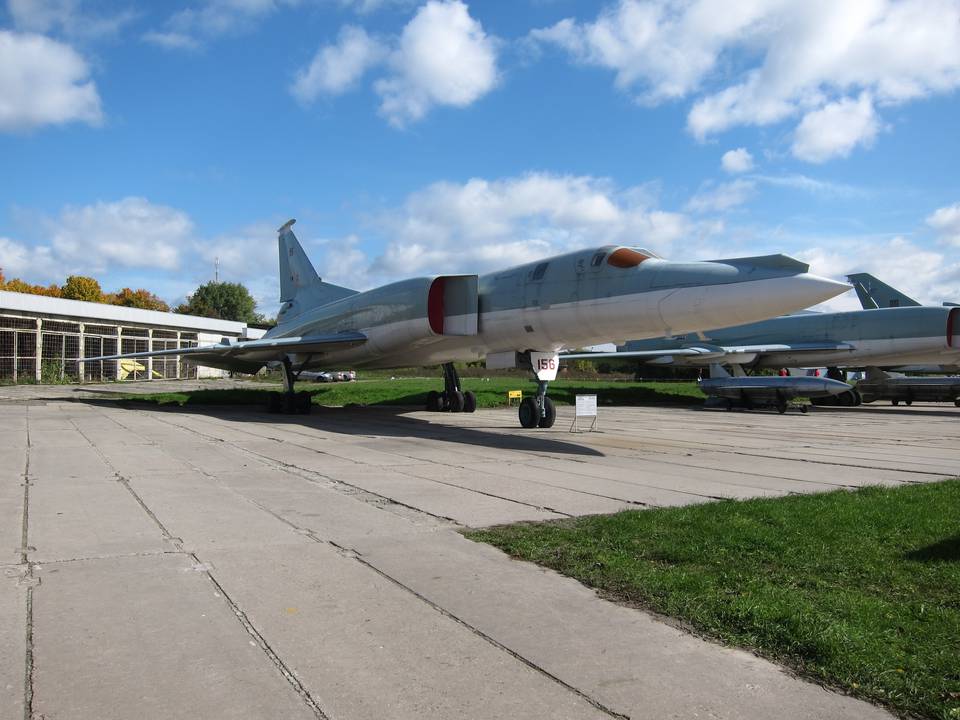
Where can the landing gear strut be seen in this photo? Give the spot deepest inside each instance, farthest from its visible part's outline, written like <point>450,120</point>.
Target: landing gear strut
<point>453,398</point>
<point>290,402</point>
<point>538,411</point>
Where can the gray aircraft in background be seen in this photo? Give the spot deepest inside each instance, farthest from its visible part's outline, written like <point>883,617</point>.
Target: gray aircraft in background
<point>883,337</point>
<point>516,317</point>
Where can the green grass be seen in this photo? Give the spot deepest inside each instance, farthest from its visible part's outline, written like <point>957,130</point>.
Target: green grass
<point>413,392</point>
<point>858,590</point>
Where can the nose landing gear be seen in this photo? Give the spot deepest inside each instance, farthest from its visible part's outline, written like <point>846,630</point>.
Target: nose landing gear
<point>538,411</point>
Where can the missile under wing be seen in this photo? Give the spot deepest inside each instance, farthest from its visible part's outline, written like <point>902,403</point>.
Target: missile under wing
<point>520,316</point>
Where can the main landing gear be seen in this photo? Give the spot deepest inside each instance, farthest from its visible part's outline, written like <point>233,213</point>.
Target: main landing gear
<point>453,398</point>
<point>290,402</point>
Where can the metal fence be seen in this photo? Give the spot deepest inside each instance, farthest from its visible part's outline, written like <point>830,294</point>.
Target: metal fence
<point>36,349</point>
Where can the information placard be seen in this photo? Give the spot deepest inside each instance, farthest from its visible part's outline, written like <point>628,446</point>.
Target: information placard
<point>586,407</point>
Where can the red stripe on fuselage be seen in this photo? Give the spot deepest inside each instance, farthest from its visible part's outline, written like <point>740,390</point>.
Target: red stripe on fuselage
<point>435,305</point>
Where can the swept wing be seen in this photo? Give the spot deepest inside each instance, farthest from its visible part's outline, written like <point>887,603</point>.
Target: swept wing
<point>695,354</point>
<point>238,354</point>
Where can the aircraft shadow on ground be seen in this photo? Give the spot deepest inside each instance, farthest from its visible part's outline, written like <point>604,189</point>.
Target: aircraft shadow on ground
<point>946,550</point>
<point>377,420</point>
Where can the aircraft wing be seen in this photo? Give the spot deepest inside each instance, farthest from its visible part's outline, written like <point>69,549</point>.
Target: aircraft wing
<point>253,351</point>
<point>687,352</point>
<point>712,353</point>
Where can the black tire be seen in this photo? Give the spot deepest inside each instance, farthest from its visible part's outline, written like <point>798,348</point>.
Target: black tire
<point>908,402</point>
<point>455,401</point>
<point>469,402</point>
<point>894,402</point>
<point>781,407</point>
<point>549,415</point>
<point>803,409</point>
<point>957,402</point>
<point>304,403</point>
<point>433,401</point>
<point>857,398</point>
<point>529,412</point>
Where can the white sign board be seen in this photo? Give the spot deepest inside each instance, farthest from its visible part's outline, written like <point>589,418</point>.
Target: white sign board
<point>587,405</point>
<point>586,408</point>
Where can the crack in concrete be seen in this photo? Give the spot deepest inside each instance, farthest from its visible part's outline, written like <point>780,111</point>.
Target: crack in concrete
<point>28,575</point>
<point>482,635</point>
<point>241,616</point>
<point>355,491</point>
<point>353,554</point>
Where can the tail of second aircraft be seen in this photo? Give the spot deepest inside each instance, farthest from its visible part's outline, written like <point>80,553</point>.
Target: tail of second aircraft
<point>300,286</point>
<point>874,293</point>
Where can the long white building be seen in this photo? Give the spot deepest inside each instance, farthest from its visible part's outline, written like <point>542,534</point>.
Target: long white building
<point>45,339</point>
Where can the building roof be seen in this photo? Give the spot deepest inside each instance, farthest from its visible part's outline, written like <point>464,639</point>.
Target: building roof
<point>24,302</point>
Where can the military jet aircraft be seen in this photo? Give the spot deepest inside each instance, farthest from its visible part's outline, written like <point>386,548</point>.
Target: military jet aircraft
<point>883,337</point>
<point>517,317</point>
<point>756,391</point>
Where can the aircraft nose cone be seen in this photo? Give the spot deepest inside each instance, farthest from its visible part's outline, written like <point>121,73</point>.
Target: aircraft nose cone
<point>744,301</point>
<point>813,288</point>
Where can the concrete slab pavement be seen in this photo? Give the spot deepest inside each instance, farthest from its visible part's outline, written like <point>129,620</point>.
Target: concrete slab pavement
<point>345,590</point>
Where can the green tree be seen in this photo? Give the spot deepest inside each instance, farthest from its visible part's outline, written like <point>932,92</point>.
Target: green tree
<point>223,300</point>
<point>79,287</point>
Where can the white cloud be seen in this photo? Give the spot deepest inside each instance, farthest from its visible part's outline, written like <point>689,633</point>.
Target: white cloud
<point>721,197</point>
<point>336,68</point>
<point>946,221</point>
<point>43,82</point>
<point>188,28</point>
<point>927,275</point>
<point>65,16</point>
<point>737,161</point>
<point>836,129</point>
<point>810,185</point>
<point>484,224</point>
<point>765,61</point>
<point>444,58</point>
<point>172,40</point>
<point>131,233</point>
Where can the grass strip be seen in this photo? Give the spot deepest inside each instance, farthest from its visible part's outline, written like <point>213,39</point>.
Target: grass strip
<point>413,391</point>
<point>857,590</point>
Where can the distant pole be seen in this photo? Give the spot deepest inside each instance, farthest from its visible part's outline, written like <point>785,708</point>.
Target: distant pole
<point>216,269</point>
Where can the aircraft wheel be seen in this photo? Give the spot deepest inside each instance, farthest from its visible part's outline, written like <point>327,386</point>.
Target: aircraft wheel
<point>303,403</point>
<point>455,401</point>
<point>529,412</point>
<point>803,409</point>
<point>469,402</point>
<point>957,402</point>
<point>894,402</point>
<point>908,402</point>
<point>781,407</point>
<point>433,401</point>
<point>857,397</point>
<point>549,416</point>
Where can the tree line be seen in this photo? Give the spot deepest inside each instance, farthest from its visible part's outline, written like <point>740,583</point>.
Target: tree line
<point>221,300</point>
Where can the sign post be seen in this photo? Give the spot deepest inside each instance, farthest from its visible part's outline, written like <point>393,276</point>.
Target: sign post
<point>586,408</point>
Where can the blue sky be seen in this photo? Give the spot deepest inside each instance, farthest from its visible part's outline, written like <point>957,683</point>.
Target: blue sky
<point>141,141</point>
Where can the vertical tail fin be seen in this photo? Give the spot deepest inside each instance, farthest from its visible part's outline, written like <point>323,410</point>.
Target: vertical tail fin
<point>300,286</point>
<point>296,270</point>
<point>876,294</point>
